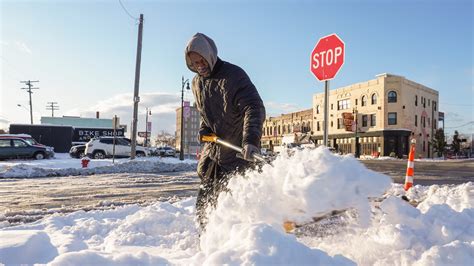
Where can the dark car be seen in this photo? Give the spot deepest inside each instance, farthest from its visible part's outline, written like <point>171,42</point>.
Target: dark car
<point>77,151</point>
<point>13,148</point>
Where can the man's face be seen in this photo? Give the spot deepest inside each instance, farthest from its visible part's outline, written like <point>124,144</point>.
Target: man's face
<point>199,64</point>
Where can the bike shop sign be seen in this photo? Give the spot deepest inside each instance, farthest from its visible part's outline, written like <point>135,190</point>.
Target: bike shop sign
<point>85,134</point>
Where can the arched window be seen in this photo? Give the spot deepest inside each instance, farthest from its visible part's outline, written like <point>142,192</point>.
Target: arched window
<point>364,100</point>
<point>317,109</point>
<point>374,98</point>
<point>392,97</point>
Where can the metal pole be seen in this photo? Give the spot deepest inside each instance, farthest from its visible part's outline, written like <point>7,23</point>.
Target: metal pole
<point>181,148</point>
<point>326,112</point>
<point>432,131</point>
<point>357,148</point>
<point>113,148</point>
<point>136,98</point>
<point>146,128</point>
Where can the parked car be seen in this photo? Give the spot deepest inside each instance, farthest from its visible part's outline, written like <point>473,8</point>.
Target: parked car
<point>27,138</point>
<point>166,151</point>
<point>13,147</point>
<point>78,151</point>
<point>100,148</point>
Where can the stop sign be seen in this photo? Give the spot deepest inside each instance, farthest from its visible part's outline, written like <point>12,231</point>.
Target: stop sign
<point>327,57</point>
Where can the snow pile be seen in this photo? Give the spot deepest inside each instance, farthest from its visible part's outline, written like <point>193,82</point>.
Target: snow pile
<point>440,231</point>
<point>72,167</point>
<point>246,226</point>
<point>296,188</point>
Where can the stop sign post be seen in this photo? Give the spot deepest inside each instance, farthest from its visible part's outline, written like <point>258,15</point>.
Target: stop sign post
<point>327,58</point>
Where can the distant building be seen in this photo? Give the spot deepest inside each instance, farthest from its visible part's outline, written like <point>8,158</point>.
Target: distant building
<point>391,110</point>
<point>191,129</point>
<point>76,121</point>
<point>85,128</point>
<point>275,128</point>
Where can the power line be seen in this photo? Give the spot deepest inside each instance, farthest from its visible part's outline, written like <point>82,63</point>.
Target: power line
<point>463,125</point>
<point>457,104</point>
<point>52,106</point>
<point>126,11</point>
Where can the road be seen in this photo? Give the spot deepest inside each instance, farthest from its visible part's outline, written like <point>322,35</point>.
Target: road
<point>27,200</point>
<point>426,172</point>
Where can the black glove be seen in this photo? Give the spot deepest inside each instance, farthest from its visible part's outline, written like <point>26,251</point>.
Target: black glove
<point>248,150</point>
<point>204,132</point>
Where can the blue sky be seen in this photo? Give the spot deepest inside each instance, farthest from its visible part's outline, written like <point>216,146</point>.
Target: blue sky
<point>83,52</point>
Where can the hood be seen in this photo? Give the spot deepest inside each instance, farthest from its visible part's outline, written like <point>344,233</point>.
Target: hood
<point>204,46</point>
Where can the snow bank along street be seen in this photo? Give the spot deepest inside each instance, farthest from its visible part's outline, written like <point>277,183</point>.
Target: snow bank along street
<point>246,227</point>
<point>66,166</point>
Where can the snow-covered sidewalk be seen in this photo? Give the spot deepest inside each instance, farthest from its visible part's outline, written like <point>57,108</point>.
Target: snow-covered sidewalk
<point>246,226</point>
<point>63,165</point>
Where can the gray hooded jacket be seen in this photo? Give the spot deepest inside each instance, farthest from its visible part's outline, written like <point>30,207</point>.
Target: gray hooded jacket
<point>229,104</point>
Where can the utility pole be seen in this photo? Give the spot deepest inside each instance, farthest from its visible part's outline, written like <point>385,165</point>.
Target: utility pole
<point>52,106</point>
<point>28,83</point>
<point>136,98</point>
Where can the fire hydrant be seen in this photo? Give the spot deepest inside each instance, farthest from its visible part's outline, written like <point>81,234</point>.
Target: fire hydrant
<point>85,161</point>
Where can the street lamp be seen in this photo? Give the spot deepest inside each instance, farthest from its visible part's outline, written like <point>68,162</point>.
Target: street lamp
<point>181,148</point>
<point>22,106</point>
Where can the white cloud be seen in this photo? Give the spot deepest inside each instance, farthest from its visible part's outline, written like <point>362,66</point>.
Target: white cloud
<point>275,109</point>
<point>23,47</point>
<point>162,105</point>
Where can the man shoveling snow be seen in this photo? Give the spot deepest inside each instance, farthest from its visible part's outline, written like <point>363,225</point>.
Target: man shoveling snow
<point>230,107</point>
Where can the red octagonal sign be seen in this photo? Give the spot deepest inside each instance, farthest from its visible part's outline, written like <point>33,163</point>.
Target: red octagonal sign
<point>327,57</point>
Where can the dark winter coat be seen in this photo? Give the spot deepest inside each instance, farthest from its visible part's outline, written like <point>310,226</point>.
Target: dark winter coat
<point>229,104</point>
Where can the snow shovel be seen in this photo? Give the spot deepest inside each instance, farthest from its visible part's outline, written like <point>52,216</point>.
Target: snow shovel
<point>216,139</point>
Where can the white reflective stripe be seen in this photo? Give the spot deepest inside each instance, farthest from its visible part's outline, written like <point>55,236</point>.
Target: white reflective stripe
<point>409,179</point>
<point>410,164</point>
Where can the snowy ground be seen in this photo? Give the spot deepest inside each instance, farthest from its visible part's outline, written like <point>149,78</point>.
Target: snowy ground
<point>64,165</point>
<point>246,227</point>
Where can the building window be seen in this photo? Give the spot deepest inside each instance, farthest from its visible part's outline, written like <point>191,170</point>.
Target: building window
<point>340,123</point>
<point>392,97</point>
<point>416,100</point>
<point>429,102</point>
<point>356,101</point>
<point>332,123</point>
<point>416,120</point>
<point>364,100</point>
<point>374,98</point>
<point>392,118</point>
<point>343,104</point>
<point>424,121</point>
<point>373,119</point>
<point>434,105</point>
<point>364,120</point>
<point>423,100</point>
<point>331,106</point>
<point>317,109</point>
<point>279,130</point>
<point>318,128</point>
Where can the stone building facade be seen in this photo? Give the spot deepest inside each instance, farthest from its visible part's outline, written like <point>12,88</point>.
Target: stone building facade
<point>274,128</point>
<point>390,110</point>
